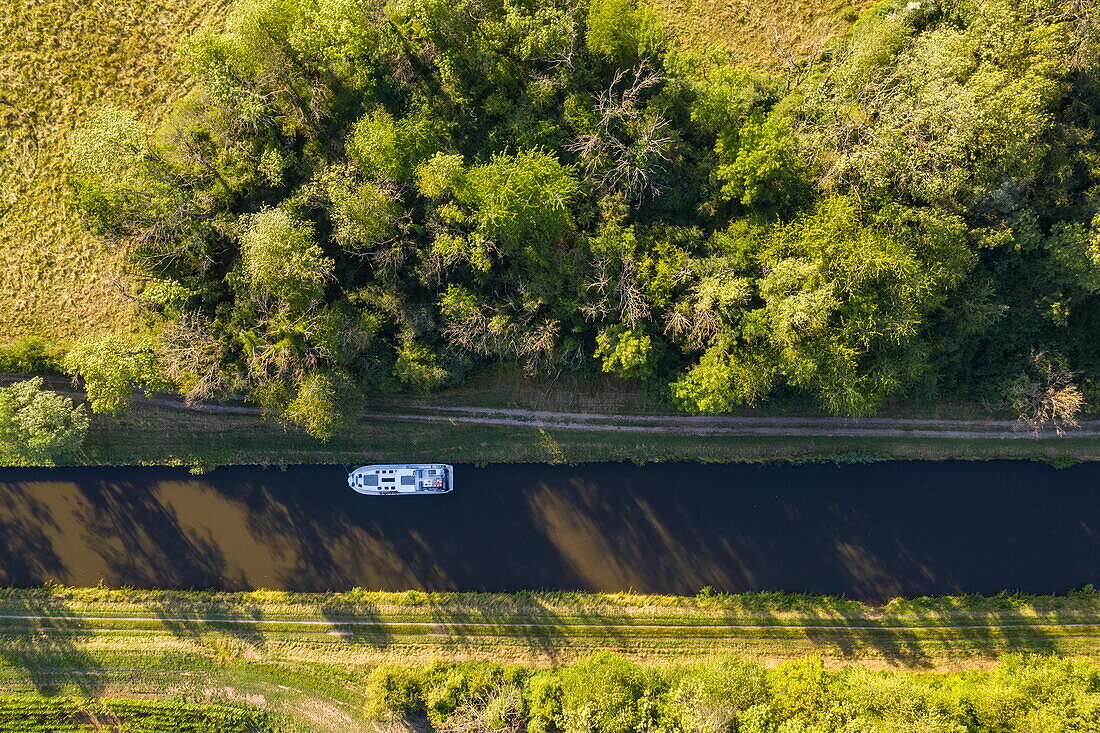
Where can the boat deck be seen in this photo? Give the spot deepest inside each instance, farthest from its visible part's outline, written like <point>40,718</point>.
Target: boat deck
<point>401,479</point>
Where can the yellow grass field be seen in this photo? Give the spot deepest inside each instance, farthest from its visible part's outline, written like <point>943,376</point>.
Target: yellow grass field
<point>761,33</point>
<point>59,59</point>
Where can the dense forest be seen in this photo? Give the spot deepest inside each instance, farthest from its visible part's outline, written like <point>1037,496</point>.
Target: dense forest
<point>361,196</point>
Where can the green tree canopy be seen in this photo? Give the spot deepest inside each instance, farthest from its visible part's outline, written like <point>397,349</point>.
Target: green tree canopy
<point>39,427</point>
<point>398,197</point>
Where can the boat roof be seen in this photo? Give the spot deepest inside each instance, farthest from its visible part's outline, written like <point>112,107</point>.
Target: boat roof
<point>401,478</point>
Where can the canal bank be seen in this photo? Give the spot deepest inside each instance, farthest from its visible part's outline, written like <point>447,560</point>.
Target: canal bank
<point>864,531</point>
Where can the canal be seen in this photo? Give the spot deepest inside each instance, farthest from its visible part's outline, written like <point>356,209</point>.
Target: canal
<point>866,531</point>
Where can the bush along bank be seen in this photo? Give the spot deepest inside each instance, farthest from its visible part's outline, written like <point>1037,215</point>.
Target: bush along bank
<point>608,694</point>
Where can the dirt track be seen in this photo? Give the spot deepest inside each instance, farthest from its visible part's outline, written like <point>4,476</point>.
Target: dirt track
<point>684,424</point>
<point>675,424</point>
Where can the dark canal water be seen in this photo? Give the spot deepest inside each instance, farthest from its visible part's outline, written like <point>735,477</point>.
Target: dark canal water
<point>870,532</point>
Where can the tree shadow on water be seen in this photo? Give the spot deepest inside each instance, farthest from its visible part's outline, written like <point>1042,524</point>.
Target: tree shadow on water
<point>143,542</point>
<point>27,555</point>
<point>44,645</point>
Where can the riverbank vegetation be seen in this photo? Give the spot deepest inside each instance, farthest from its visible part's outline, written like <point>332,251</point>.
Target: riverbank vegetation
<point>335,662</point>
<point>608,694</point>
<point>361,203</point>
<point>39,427</point>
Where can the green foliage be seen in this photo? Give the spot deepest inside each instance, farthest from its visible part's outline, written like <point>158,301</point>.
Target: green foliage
<point>418,367</point>
<point>324,403</point>
<point>365,214</point>
<point>543,698</point>
<point>603,692</point>
<point>800,690</point>
<point>624,351</point>
<point>394,691</point>
<point>621,31</point>
<point>129,193</point>
<point>519,202</point>
<point>39,427</point>
<point>113,366</point>
<point>279,256</point>
<point>711,697</point>
<point>765,170</point>
<point>31,355</point>
<point>406,195</point>
<point>609,694</point>
<point>723,380</point>
<point>380,146</point>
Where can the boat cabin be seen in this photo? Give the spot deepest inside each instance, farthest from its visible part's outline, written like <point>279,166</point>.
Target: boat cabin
<point>408,478</point>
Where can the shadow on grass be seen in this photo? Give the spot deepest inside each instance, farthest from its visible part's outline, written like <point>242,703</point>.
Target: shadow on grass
<point>911,634</point>
<point>51,650</point>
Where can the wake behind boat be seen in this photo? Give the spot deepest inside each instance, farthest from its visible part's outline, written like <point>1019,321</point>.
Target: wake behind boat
<point>402,478</point>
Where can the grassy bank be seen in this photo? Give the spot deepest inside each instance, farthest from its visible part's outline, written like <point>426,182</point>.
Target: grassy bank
<point>161,435</point>
<point>760,34</point>
<point>309,656</point>
<point>356,629</point>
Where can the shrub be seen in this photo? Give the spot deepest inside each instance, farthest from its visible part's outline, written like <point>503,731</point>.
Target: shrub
<point>31,355</point>
<point>609,694</point>
<point>394,691</point>
<point>113,366</point>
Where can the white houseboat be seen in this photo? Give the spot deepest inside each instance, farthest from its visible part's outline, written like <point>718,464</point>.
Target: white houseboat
<point>402,478</point>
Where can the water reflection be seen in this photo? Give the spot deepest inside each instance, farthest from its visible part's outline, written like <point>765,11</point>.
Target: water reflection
<point>866,531</point>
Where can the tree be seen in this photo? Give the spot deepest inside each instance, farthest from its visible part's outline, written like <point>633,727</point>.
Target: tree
<point>520,200</point>
<point>279,256</point>
<point>113,366</point>
<point>627,145</point>
<point>607,693</point>
<point>724,379</point>
<point>953,103</point>
<point>622,31</point>
<point>130,195</point>
<point>418,367</point>
<point>325,403</point>
<point>1046,395</point>
<point>801,690</point>
<point>624,351</point>
<point>39,427</point>
<point>392,149</point>
<point>366,213</point>
<point>763,169</point>
<point>842,301</point>
<point>710,697</point>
